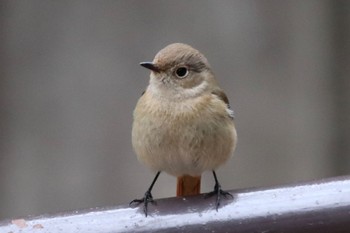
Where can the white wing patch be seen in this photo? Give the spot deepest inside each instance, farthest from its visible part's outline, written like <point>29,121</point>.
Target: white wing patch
<point>230,112</point>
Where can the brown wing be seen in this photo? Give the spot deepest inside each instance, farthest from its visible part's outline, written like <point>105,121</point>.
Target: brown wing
<point>222,96</point>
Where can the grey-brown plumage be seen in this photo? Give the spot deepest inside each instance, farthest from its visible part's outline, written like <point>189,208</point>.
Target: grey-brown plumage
<point>183,124</point>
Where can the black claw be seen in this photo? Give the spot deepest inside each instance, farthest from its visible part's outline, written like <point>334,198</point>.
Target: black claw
<point>218,192</point>
<point>147,198</point>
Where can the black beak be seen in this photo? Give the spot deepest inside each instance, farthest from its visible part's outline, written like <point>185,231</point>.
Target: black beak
<point>150,65</point>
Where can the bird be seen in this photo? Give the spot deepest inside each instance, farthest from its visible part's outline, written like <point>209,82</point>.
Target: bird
<point>183,124</point>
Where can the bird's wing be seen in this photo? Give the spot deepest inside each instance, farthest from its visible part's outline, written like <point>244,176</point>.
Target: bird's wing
<point>222,96</point>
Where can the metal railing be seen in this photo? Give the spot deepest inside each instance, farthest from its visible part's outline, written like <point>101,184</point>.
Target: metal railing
<point>317,206</point>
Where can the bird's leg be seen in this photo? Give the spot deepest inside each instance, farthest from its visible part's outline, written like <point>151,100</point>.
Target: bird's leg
<point>147,197</point>
<point>218,192</point>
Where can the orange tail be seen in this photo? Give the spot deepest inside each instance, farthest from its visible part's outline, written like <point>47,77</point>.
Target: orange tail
<point>188,185</point>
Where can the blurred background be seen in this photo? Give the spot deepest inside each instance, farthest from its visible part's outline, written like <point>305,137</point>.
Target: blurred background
<point>70,78</point>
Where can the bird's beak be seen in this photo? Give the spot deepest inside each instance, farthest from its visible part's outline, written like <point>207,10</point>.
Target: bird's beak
<point>150,65</point>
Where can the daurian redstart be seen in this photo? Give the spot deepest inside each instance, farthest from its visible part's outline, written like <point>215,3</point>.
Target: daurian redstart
<point>183,124</point>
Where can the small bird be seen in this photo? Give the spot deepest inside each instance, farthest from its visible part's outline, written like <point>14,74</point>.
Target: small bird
<point>183,124</point>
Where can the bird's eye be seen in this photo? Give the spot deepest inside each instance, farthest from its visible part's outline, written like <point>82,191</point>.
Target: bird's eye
<point>181,72</point>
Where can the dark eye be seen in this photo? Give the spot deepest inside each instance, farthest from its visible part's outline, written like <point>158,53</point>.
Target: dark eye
<point>181,72</point>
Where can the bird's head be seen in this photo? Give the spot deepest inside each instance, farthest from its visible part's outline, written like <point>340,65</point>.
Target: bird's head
<point>179,71</point>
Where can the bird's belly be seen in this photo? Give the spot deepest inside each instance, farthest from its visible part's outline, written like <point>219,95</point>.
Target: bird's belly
<point>187,147</point>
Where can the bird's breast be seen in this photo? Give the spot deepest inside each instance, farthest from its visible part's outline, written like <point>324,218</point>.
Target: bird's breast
<point>182,137</point>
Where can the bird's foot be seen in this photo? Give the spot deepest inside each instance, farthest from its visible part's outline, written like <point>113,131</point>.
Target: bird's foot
<point>218,192</point>
<point>147,198</point>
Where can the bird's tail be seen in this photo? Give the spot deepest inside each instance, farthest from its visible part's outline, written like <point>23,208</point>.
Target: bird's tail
<point>188,185</point>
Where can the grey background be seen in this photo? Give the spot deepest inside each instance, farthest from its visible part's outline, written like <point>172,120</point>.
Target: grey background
<point>70,78</point>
